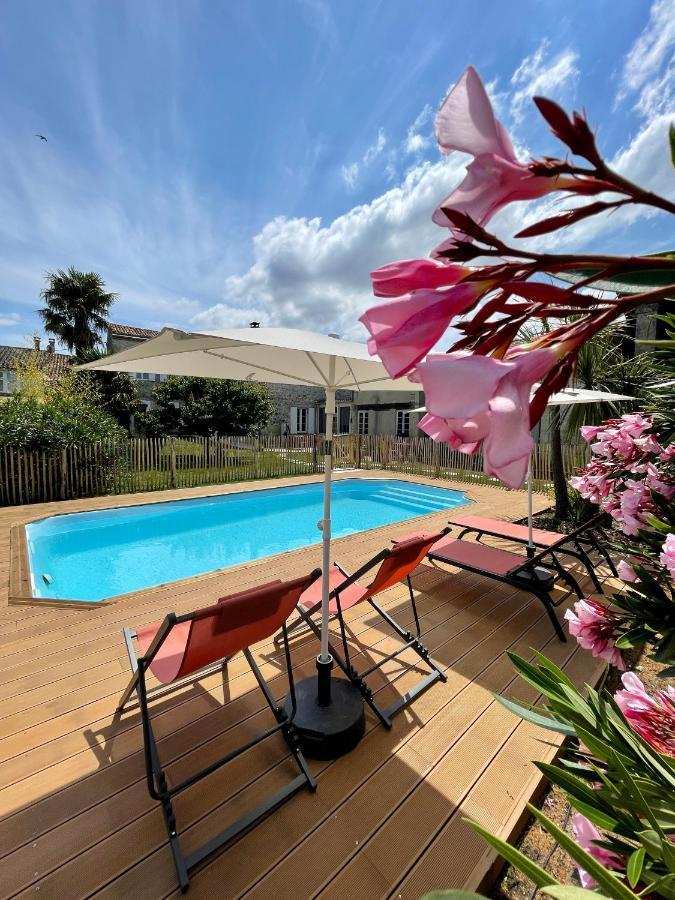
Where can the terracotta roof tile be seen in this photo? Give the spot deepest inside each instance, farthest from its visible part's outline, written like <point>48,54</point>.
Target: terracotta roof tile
<point>131,331</point>
<point>53,363</point>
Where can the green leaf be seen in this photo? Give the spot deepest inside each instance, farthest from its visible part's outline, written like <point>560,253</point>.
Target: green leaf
<point>568,892</point>
<point>609,883</point>
<point>634,867</point>
<point>534,872</point>
<point>651,841</point>
<point>536,718</point>
<point>668,851</point>
<point>633,638</point>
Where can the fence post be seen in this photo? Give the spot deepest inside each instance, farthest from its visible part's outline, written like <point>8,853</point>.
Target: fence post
<point>358,451</point>
<point>173,462</point>
<point>315,439</point>
<point>437,458</point>
<point>64,473</point>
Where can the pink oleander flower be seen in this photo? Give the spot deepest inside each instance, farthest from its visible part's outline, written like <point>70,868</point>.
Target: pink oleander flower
<point>668,453</point>
<point>652,717</point>
<point>404,330</point>
<point>472,398</point>
<point>635,507</point>
<point>590,432</point>
<point>595,628</point>
<point>586,834</point>
<point>626,572</point>
<point>667,556</point>
<point>407,275</point>
<point>466,122</point>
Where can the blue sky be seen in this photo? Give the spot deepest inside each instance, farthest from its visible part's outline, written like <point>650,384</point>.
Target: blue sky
<point>218,162</point>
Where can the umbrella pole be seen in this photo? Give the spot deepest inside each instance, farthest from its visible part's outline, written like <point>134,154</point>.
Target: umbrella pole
<point>530,538</point>
<point>327,713</point>
<point>324,662</point>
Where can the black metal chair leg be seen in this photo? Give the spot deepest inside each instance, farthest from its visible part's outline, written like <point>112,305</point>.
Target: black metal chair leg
<point>550,609</point>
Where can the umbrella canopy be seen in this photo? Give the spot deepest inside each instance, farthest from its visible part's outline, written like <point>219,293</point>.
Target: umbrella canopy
<point>274,355</point>
<point>277,356</point>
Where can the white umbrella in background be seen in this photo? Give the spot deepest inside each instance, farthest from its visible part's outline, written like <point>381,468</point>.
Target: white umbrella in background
<point>330,713</point>
<point>566,397</point>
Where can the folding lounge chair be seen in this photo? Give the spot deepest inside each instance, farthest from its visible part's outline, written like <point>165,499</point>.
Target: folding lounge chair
<point>536,574</point>
<point>576,544</point>
<point>393,566</point>
<point>183,645</point>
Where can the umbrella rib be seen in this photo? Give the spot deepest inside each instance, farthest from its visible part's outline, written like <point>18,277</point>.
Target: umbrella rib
<point>355,380</point>
<point>243,362</point>
<point>309,356</point>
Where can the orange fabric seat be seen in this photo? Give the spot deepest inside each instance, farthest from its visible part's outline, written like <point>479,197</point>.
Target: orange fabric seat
<point>508,529</point>
<point>470,553</point>
<point>349,597</point>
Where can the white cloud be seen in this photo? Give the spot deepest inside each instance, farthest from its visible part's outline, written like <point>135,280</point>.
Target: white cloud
<point>9,319</point>
<point>415,141</point>
<point>351,172</point>
<point>375,149</point>
<point>314,275</point>
<point>543,74</point>
<point>649,69</point>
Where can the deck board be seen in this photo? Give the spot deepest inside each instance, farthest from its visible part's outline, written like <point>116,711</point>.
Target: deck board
<point>386,820</point>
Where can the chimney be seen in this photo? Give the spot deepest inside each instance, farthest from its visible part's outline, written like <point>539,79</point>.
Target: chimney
<point>36,342</point>
<point>51,346</point>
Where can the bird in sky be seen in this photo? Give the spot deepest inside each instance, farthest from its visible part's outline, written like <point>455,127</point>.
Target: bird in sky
<point>41,136</point>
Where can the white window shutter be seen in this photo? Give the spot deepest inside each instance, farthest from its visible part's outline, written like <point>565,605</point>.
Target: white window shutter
<point>294,419</point>
<point>311,414</point>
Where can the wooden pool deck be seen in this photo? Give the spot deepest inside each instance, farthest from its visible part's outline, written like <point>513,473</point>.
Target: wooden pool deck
<point>386,821</point>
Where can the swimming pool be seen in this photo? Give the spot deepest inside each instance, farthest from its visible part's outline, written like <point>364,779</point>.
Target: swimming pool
<point>94,555</point>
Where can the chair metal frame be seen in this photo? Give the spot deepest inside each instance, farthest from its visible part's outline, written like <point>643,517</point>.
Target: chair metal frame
<point>410,640</point>
<point>582,537</point>
<point>156,778</point>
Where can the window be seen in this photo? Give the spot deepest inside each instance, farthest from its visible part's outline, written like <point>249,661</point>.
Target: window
<point>402,423</point>
<point>301,419</point>
<point>364,421</point>
<point>343,420</point>
<point>8,382</point>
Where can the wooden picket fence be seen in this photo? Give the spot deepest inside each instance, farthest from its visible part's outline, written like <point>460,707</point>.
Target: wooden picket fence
<point>148,464</point>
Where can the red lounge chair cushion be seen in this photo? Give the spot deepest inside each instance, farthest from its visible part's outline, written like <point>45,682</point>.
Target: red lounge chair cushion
<point>221,630</point>
<point>348,598</point>
<point>508,529</point>
<point>478,556</point>
<point>166,664</point>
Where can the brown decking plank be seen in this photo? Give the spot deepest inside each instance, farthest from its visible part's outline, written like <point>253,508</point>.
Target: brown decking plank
<point>502,786</point>
<point>70,720</point>
<point>410,811</point>
<point>88,829</point>
<point>129,740</point>
<point>345,778</point>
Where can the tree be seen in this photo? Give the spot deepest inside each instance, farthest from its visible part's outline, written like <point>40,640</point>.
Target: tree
<point>115,390</point>
<point>49,413</point>
<point>76,307</point>
<point>207,406</point>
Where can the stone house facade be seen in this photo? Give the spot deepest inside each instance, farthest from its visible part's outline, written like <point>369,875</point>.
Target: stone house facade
<point>15,358</point>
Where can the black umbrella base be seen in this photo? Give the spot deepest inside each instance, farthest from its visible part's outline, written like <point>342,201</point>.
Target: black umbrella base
<point>329,731</point>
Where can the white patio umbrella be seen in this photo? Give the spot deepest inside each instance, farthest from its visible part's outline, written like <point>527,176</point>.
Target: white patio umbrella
<point>280,356</point>
<point>566,397</point>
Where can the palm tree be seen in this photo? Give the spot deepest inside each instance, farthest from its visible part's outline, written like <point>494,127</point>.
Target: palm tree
<point>76,307</point>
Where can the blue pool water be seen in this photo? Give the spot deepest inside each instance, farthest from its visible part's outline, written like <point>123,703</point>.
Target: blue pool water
<point>94,555</point>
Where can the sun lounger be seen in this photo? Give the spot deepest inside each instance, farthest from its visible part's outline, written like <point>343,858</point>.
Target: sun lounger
<point>181,646</point>
<point>537,574</point>
<point>576,544</point>
<point>390,566</point>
